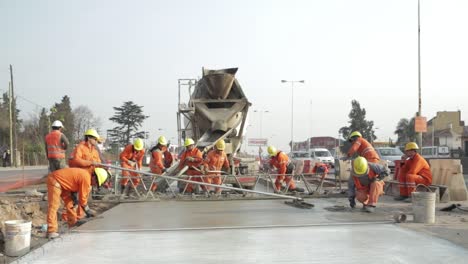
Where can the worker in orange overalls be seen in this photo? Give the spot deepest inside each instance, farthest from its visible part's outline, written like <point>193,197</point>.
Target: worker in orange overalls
<point>280,161</point>
<point>362,147</point>
<point>160,161</point>
<point>56,143</point>
<point>215,161</point>
<point>131,158</point>
<point>414,170</point>
<point>61,184</point>
<point>368,182</point>
<point>85,156</point>
<point>193,158</point>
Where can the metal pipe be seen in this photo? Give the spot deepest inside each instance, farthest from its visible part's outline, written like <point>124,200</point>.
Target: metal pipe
<point>202,183</point>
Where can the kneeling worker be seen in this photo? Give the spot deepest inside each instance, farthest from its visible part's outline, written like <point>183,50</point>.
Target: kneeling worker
<point>61,184</point>
<point>368,183</point>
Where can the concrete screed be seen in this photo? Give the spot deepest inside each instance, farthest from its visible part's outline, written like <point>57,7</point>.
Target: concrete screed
<point>254,231</point>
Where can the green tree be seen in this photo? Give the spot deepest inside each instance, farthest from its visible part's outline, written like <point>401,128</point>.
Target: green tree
<point>129,118</point>
<point>5,120</point>
<point>62,111</point>
<point>405,131</point>
<point>358,122</point>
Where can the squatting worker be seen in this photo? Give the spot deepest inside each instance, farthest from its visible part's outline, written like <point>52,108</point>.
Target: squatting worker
<point>60,185</point>
<point>131,158</point>
<point>215,161</point>
<point>362,147</point>
<point>193,158</point>
<point>280,161</point>
<point>414,170</point>
<point>368,183</point>
<point>56,143</point>
<point>160,161</point>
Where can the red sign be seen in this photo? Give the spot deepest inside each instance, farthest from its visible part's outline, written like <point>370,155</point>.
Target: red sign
<point>257,141</point>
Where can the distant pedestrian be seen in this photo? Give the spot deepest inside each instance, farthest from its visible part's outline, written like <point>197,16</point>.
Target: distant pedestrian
<point>6,158</point>
<point>55,145</point>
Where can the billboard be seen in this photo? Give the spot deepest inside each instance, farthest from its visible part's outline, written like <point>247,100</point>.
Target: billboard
<point>257,142</point>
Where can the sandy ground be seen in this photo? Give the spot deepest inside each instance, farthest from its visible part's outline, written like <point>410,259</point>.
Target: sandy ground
<point>26,204</point>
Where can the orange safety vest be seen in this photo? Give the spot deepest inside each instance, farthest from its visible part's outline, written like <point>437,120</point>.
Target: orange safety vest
<point>364,149</point>
<point>54,146</point>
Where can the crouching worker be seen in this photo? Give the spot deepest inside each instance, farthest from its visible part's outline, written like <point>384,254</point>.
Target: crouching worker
<point>414,170</point>
<point>366,183</point>
<point>61,184</point>
<point>280,161</point>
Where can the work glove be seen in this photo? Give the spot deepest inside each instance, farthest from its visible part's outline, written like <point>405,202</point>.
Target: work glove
<point>191,159</point>
<point>89,212</point>
<point>352,202</point>
<point>131,163</point>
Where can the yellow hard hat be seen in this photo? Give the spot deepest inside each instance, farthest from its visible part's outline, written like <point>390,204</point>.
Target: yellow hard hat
<point>91,132</point>
<point>138,144</point>
<point>188,142</point>
<point>360,166</point>
<point>411,146</point>
<point>221,145</point>
<point>101,175</point>
<point>355,134</point>
<point>272,151</point>
<point>162,140</point>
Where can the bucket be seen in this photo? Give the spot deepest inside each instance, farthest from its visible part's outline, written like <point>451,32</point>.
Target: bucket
<point>17,237</point>
<point>424,207</point>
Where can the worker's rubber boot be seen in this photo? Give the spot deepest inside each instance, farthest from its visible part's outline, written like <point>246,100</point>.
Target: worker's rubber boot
<point>52,235</point>
<point>124,191</point>
<point>368,208</point>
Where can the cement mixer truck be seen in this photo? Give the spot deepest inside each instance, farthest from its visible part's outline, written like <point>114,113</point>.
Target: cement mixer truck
<point>216,108</point>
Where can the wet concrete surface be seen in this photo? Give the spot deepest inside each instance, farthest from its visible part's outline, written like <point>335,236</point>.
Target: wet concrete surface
<point>255,231</point>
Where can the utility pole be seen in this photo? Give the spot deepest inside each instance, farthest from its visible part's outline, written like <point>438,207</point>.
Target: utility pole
<point>13,116</point>
<point>11,120</point>
<point>419,134</point>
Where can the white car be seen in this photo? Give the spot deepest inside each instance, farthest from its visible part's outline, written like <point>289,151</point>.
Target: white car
<point>389,155</point>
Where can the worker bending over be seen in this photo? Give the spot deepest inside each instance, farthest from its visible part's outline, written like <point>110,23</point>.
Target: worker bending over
<point>414,170</point>
<point>131,158</point>
<point>215,161</point>
<point>193,158</point>
<point>367,179</point>
<point>60,185</point>
<point>159,159</point>
<point>362,147</point>
<point>285,168</point>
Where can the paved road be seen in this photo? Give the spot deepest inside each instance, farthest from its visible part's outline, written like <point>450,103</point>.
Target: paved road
<point>12,178</point>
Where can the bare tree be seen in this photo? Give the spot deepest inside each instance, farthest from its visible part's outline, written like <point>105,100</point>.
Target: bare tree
<point>84,120</point>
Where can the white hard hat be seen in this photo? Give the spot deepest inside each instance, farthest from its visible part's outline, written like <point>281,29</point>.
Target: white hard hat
<point>57,123</point>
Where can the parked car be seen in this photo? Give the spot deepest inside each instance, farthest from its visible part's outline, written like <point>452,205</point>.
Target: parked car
<point>390,155</point>
<point>435,152</point>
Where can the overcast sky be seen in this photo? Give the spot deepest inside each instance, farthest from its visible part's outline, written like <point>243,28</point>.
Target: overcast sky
<point>102,53</point>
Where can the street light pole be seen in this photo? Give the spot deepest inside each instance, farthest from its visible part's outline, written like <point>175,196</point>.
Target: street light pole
<point>292,108</point>
<point>419,134</point>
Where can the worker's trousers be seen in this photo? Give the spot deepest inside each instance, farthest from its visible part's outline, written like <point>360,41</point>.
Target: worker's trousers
<point>127,175</point>
<point>54,194</point>
<point>370,194</point>
<point>287,179</point>
<point>408,183</point>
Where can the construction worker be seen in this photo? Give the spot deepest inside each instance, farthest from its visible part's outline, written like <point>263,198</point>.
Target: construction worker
<point>60,185</point>
<point>55,145</point>
<point>131,158</point>
<point>85,156</point>
<point>368,182</point>
<point>193,158</point>
<point>280,161</point>
<point>414,170</point>
<point>362,147</point>
<point>159,159</point>
<point>215,161</point>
